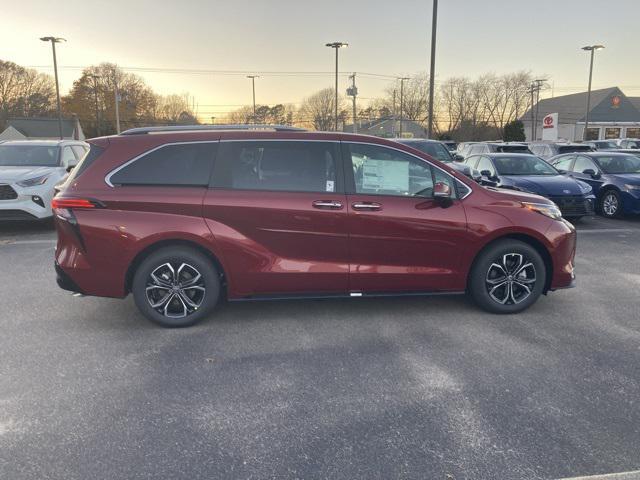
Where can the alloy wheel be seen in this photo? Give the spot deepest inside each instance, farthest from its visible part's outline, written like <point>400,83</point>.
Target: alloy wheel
<point>610,204</point>
<point>510,279</point>
<point>175,291</point>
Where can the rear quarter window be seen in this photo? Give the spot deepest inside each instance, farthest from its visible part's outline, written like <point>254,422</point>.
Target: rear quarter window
<point>94,152</point>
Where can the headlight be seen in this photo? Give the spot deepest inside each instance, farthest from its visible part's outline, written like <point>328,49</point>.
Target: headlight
<point>632,188</point>
<point>551,211</point>
<point>32,182</point>
<point>585,187</point>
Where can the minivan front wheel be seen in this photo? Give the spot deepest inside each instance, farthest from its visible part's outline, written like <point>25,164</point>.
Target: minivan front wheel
<point>176,286</point>
<point>508,277</point>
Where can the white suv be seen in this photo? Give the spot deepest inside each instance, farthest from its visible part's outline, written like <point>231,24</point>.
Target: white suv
<point>29,170</point>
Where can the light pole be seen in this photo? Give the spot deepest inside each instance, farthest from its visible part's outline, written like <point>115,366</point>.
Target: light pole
<point>402,102</point>
<point>337,46</point>
<point>213,120</point>
<point>117,95</point>
<point>95,96</point>
<point>253,87</point>
<point>53,41</point>
<point>432,73</point>
<point>539,82</point>
<point>592,49</point>
<point>353,92</point>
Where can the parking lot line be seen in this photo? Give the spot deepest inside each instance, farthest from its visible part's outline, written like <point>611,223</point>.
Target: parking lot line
<point>610,230</point>
<point>27,242</point>
<point>634,475</point>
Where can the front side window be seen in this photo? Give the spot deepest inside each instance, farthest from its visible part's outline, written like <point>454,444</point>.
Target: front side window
<point>29,156</point>
<point>485,164</point>
<point>184,164</point>
<point>584,163</point>
<point>383,171</point>
<point>619,163</point>
<point>277,166</point>
<point>68,157</point>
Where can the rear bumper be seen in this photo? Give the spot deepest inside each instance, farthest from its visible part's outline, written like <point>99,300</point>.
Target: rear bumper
<point>64,281</point>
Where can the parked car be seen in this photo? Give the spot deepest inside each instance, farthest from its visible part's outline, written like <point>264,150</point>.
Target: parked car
<point>29,170</point>
<point>630,151</point>
<point>546,150</point>
<point>182,217</point>
<point>602,144</point>
<point>528,173</point>
<point>496,147</point>
<point>629,143</point>
<point>439,151</point>
<point>462,151</point>
<point>614,176</point>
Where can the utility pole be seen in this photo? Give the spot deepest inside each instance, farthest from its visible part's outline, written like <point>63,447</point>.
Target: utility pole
<point>539,83</point>
<point>394,113</point>
<point>53,41</point>
<point>533,138</point>
<point>402,103</point>
<point>592,49</point>
<point>253,88</point>
<point>117,94</point>
<point>434,25</point>
<point>337,46</point>
<point>95,95</point>
<point>353,92</point>
<point>213,120</point>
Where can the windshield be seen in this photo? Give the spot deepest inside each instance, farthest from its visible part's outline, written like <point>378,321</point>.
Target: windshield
<point>29,156</point>
<point>436,150</point>
<point>574,148</point>
<point>607,145</point>
<point>619,163</point>
<point>523,165</point>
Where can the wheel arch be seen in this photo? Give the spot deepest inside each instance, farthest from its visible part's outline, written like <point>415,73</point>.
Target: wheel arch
<point>149,249</point>
<point>529,240</point>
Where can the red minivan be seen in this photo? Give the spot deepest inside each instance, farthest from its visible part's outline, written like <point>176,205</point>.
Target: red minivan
<point>184,216</point>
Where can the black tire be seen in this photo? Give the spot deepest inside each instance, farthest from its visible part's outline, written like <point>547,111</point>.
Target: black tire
<point>610,204</point>
<point>518,277</point>
<point>184,306</point>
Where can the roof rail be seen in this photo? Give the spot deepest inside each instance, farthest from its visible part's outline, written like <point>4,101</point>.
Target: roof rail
<point>200,128</point>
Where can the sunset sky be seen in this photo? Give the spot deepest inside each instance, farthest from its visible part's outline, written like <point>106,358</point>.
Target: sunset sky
<point>386,38</point>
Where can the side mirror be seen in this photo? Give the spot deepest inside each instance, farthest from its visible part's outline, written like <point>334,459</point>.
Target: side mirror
<point>488,174</point>
<point>458,158</point>
<point>592,172</point>
<point>70,167</point>
<point>441,190</point>
<point>563,172</point>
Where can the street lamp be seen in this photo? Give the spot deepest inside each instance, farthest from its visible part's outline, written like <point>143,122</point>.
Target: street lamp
<point>53,41</point>
<point>337,46</point>
<point>402,80</point>
<point>592,49</point>
<point>253,86</point>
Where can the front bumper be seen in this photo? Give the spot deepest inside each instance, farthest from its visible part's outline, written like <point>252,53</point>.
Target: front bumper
<point>32,203</point>
<point>575,205</point>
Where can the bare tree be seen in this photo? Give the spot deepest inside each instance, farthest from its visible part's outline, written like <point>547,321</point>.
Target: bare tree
<point>317,111</point>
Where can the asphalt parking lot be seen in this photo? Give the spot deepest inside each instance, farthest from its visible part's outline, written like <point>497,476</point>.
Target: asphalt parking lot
<point>424,388</point>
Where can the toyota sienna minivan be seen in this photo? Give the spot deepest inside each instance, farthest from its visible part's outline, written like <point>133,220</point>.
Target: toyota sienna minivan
<point>182,217</point>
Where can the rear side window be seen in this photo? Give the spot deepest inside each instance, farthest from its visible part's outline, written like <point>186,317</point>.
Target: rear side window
<point>277,166</point>
<point>94,152</point>
<point>185,164</point>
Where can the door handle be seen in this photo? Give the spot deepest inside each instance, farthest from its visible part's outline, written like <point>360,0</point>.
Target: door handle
<point>332,204</point>
<point>367,206</point>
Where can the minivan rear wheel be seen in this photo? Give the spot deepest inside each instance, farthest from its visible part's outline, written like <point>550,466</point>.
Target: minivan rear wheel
<point>176,287</point>
<point>508,277</point>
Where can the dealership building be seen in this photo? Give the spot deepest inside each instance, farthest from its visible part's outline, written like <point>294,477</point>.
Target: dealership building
<point>611,115</point>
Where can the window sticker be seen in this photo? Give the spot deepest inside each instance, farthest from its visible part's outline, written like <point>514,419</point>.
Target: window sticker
<point>385,175</point>
<point>330,186</point>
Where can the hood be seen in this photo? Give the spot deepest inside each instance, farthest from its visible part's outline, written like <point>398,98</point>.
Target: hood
<point>15,174</point>
<point>515,196</point>
<point>555,185</point>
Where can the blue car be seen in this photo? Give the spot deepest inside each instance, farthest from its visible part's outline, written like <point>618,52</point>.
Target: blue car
<point>528,173</point>
<point>614,176</point>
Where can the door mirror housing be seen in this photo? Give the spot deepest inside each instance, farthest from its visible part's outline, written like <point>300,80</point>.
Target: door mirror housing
<point>70,167</point>
<point>592,172</point>
<point>458,158</point>
<point>441,190</point>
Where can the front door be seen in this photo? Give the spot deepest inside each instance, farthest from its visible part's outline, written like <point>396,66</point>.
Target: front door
<point>277,210</point>
<point>400,237</point>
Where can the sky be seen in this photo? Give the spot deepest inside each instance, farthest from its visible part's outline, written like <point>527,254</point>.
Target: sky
<point>386,38</point>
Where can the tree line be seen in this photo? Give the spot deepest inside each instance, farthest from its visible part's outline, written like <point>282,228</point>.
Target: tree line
<point>464,108</point>
<point>26,93</point>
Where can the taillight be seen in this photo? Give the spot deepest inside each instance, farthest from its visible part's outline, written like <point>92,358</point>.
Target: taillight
<point>75,203</point>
